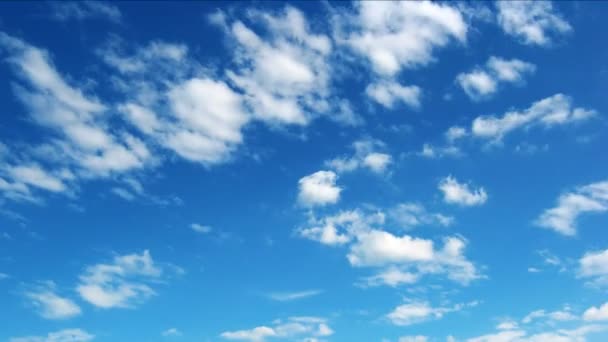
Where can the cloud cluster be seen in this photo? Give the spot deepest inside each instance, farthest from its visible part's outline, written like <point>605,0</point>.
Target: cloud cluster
<point>367,155</point>
<point>458,193</point>
<point>302,328</point>
<point>400,259</point>
<point>66,335</point>
<point>483,82</point>
<point>416,312</point>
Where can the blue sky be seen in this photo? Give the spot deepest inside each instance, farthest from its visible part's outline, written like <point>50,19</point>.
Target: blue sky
<point>308,171</point>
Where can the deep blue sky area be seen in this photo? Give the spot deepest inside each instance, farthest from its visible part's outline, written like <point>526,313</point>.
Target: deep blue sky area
<point>409,171</point>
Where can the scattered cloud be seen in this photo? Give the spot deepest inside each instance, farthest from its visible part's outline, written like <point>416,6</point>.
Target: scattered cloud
<point>84,10</point>
<point>432,152</point>
<point>303,328</point>
<point>49,304</point>
<point>171,332</point>
<point>594,266</point>
<point>66,335</point>
<point>410,215</point>
<point>400,259</point>
<point>291,296</point>
<point>123,283</point>
<point>417,338</point>
<point>416,312</point>
<point>482,82</point>
<point>460,193</point>
<point>367,155</point>
<point>199,228</point>
<point>584,199</point>
<point>531,22</point>
<point>389,93</point>
<point>319,189</point>
<point>551,111</point>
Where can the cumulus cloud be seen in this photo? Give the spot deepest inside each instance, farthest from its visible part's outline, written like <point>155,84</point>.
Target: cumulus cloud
<point>50,305</point>
<point>302,328</point>
<point>461,193</point>
<point>596,313</point>
<point>585,199</point>
<point>482,82</point>
<point>409,215</point>
<point>549,112</point>
<point>367,155</point>
<point>389,93</point>
<point>319,189</point>
<point>430,151</point>
<point>199,228</point>
<point>398,259</point>
<point>416,312</point>
<point>282,67</point>
<point>396,35</point>
<point>123,283</point>
<point>519,335</point>
<point>66,335</point>
<point>531,22</point>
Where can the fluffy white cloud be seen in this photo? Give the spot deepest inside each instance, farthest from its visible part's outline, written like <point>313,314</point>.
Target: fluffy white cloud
<point>389,93</point>
<point>594,265</point>
<point>416,312</point>
<point>303,328</point>
<point>366,155</point>
<point>120,284</point>
<point>482,82</point>
<point>460,193</point>
<point>396,35</point>
<point>559,316</point>
<point>318,189</point>
<point>560,335</point>
<point>401,259</point>
<point>66,335</point>
<point>585,199</point>
<point>548,112</point>
<point>50,305</point>
<point>285,72</point>
<point>596,313</point>
<point>455,132</point>
<point>532,22</point>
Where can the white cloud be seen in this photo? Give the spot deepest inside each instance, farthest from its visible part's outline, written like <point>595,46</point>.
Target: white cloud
<point>455,132</point>
<point>50,305</point>
<point>402,34</point>
<point>532,22</point>
<point>285,72</point>
<point>378,248</point>
<point>171,332</point>
<point>559,315</point>
<point>400,259</point>
<point>460,193</point>
<point>82,10</point>
<point>559,335</point>
<point>432,152</point>
<point>416,312</point>
<point>389,93</point>
<point>482,82</point>
<point>66,335</point>
<point>409,215</point>
<point>548,112</point>
<point>366,155</point>
<point>594,265</point>
<point>318,189</point>
<point>302,328</point>
<point>123,283</point>
<point>585,199</point>
<point>199,228</point>
<point>596,313</point>
<point>291,296</point>
<point>36,176</point>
